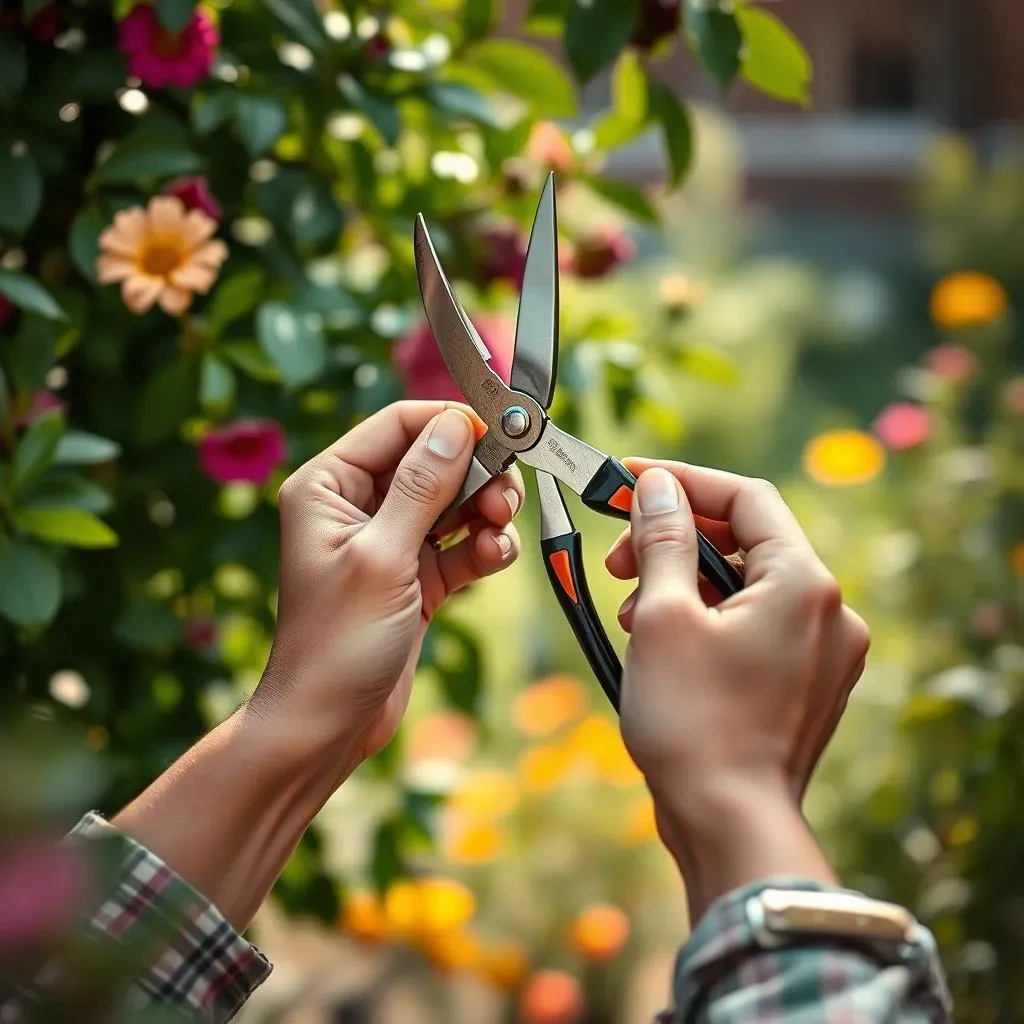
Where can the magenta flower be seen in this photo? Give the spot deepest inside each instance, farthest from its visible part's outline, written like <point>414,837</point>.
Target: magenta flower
<point>421,367</point>
<point>42,889</point>
<point>42,402</point>
<point>902,425</point>
<point>200,632</point>
<point>6,310</point>
<point>244,451</point>
<point>196,195</point>
<point>601,251</point>
<point>952,362</point>
<point>159,58</point>
<point>501,254</point>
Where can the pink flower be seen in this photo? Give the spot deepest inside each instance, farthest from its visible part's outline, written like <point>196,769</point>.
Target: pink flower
<point>200,631</point>
<point>6,309</point>
<point>196,195</point>
<point>988,620</point>
<point>42,402</point>
<point>245,451</point>
<point>45,24</point>
<point>421,367</point>
<point>42,888</point>
<point>1014,396</point>
<point>501,254</point>
<point>160,58</point>
<point>951,362</point>
<point>902,425</point>
<point>377,46</point>
<point>601,251</point>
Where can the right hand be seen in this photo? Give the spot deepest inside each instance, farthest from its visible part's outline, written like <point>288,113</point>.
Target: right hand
<point>744,693</point>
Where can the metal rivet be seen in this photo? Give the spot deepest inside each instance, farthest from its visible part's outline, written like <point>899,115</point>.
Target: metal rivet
<point>515,421</point>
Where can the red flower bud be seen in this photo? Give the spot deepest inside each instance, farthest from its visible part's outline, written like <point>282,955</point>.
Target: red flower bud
<point>196,195</point>
<point>45,24</point>
<point>601,251</point>
<point>501,254</point>
<point>657,19</point>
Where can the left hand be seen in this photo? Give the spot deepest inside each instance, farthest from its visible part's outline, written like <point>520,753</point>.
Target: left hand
<point>359,581</point>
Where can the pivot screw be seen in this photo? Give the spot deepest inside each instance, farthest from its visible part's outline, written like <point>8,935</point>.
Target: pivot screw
<point>515,421</point>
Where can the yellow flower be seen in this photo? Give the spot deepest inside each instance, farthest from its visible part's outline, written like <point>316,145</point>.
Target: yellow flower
<point>596,743</point>
<point>843,457</point>
<point>600,932</point>
<point>419,908</point>
<point>476,843</point>
<point>488,793</point>
<point>363,917</point>
<point>966,299</point>
<point>549,705</point>
<point>402,908</point>
<point>451,951</point>
<point>503,966</point>
<point>641,827</point>
<point>544,768</point>
<point>162,254</point>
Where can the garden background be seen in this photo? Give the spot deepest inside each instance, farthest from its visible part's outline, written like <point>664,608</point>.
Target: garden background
<point>800,265</point>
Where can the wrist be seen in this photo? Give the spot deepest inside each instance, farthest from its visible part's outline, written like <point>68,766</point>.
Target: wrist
<point>730,831</point>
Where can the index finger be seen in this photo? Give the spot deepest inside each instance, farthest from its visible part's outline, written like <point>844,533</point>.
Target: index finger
<point>753,508</point>
<point>378,444</point>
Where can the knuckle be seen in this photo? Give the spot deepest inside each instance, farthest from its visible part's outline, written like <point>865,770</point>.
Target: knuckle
<point>367,559</point>
<point>660,613</point>
<point>290,492</point>
<point>417,482</point>
<point>822,591</point>
<point>765,488</point>
<point>667,532</point>
<point>858,633</point>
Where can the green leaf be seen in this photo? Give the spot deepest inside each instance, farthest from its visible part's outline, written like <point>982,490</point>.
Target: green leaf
<point>477,17</point>
<point>174,15</point>
<point>547,18</point>
<point>216,384</point>
<point>71,526</point>
<point>37,447</point>
<point>708,364</point>
<point>624,196</point>
<point>261,121</point>
<point>676,130</point>
<point>460,100</point>
<point>421,810</point>
<point>716,37</point>
<point>595,32</point>
<point>28,294</point>
<point>251,360</point>
<point>386,862</point>
<point>235,296</point>
<point>457,662</point>
<point>525,72</point>
<point>148,626</point>
<point>147,153</point>
<point>96,74</point>
<point>301,18</point>
<point>774,60</point>
<point>22,193</point>
<point>30,8</point>
<point>83,240</point>
<point>30,355</point>
<point>167,400</point>
<point>628,115</point>
<point>3,396</point>
<point>29,583</point>
<point>77,448</point>
<point>212,110</point>
<point>294,343</point>
<point>380,112</point>
<point>62,490</point>
<point>12,68</point>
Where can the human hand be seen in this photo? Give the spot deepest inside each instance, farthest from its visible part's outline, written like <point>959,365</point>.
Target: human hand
<point>359,583</point>
<point>728,705</point>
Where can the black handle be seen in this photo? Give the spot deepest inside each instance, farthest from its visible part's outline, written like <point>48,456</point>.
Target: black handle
<point>563,559</point>
<point>610,492</point>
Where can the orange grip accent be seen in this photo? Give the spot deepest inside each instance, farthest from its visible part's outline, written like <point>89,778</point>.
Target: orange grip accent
<point>563,570</point>
<point>622,498</point>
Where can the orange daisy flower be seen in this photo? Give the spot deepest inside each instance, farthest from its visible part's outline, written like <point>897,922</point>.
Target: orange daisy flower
<point>164,254</point>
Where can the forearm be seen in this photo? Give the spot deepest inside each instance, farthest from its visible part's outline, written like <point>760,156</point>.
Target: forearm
<point>227,816</point>
<point>731,833</point>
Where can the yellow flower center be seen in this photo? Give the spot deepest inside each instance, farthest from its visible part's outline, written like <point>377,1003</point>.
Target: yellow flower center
<point>160,258</point>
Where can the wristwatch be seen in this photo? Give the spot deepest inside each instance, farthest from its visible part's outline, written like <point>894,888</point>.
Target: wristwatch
<point>780,916</point>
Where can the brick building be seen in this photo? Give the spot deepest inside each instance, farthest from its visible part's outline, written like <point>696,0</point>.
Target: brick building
<point>888,74</point>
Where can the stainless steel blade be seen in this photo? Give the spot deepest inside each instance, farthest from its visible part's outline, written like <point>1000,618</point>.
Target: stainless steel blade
<point>536,345</point>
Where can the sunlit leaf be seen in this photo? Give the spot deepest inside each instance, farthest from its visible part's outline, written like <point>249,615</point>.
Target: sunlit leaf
<point>302,19</point>
<point>72,526</point>
<point>235,296</point>
<point>774,60</point>
<point>624,196</point>
<point>78,448</point>
<point>715,35</point>
<point>261,121</point>
<point>525,72</point>
<point>37,447</point>
<point>28,294</point>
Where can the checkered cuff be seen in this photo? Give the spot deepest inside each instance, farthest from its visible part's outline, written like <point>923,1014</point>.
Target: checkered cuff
<point>184,954</point>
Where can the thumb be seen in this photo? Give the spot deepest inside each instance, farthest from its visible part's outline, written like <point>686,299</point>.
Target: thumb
<point>664,537</point>
<point>426,481</point>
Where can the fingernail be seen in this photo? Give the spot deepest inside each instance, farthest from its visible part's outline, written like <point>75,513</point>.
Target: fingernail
<point>627,604</point>
<point>450,435</point>
<point>511,495</point>
<point>504,543</point>
<point>619,541</point>
<point>657,492</point>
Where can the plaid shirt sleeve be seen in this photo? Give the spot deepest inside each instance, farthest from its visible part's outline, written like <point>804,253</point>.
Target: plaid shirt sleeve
<point>191,958</point>
<point>723,975</point>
